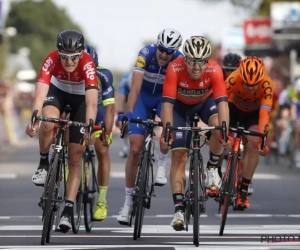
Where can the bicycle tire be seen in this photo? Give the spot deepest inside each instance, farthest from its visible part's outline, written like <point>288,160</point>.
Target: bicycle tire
<point>228,182</point>
<point>89,202</point>
<point>140,199</point>
<point>188,204</point>
<point>196,207</point>
<point>47,211</point>
<point>77,209</point>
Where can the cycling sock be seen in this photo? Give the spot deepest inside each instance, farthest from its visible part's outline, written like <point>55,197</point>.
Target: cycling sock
<point>178,202</point>
<point>102,194</point>
<point>68,210</point>
<point>128,196</point>
<point>244,185</point>
<point>213,159</point>
<point>162,157</point>
<point>44,161</point>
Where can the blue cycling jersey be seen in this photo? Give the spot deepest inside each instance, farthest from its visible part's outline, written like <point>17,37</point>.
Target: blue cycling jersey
<point>105,81</point>
<point>125,84</point>
<point>154,75</point>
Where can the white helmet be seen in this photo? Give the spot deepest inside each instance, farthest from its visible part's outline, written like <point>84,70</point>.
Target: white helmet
<point>197,47</point>
<point>297,86</point>
<point>170,39</point>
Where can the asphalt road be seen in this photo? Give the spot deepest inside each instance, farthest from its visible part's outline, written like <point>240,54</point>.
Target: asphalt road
<point>274,211</point>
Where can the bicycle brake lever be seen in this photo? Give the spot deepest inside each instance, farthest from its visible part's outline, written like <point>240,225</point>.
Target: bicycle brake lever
<point>90,128</point>
<point>33,118</point>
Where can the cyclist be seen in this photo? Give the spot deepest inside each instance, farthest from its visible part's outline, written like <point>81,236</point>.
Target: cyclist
<point>250,92</point>
<point>231,62</point>
<point>124,89</point>
<point>106,114</point>
<point>193,84</point>
<point>145,95</point>
<point>67,76</point>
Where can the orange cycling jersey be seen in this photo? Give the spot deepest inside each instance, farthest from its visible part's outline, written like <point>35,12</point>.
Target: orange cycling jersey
<point>179,86</point>
<point>262,99</point>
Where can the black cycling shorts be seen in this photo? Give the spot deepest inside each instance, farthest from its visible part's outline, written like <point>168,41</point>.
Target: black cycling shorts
<point>60,99</point>
<point>245,119</point>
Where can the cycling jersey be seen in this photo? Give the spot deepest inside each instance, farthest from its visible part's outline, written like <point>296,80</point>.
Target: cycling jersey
<point>77,82</point>
<point>105,82</point>
<point>261,100</point>
<point>295,101</point>
<point>154,75</point>
<point>125,84</point>
<point>179,86</point>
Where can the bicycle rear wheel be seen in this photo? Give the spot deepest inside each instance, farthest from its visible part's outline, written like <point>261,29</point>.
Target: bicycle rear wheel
<point>89,199</point>
<point>77,209</point>
<point>227,188</point>
<point>49,194</point>
<point>196,207</point>
<point>140,208</point>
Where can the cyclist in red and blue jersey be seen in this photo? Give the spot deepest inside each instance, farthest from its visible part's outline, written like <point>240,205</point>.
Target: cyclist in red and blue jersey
<point>106,114</point>
<point>145,95</point>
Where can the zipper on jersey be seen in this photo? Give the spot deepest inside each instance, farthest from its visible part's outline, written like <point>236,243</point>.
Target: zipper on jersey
<point>156,80</point>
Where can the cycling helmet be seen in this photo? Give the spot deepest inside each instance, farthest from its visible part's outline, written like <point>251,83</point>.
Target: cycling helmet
<point>197,48</point>
<point>252,70</point>
<point>70,41</point>
<point>170,39</point>
<point>90,50</point>
<point>231,61</point>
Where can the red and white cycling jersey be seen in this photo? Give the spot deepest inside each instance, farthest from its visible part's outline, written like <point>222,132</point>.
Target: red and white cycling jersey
<point>82,78</point>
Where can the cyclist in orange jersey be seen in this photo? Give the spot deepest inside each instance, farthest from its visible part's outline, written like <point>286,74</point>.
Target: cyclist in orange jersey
<point>250,97</point>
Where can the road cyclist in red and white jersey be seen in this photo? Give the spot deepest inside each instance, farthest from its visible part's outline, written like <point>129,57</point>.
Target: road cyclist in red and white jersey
<point>67,77</point>
<point>193,84</point>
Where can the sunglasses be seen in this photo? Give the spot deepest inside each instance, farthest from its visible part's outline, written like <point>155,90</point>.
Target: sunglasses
<point>193,62</point>
<point>73,57</point>
<point>162,49</point>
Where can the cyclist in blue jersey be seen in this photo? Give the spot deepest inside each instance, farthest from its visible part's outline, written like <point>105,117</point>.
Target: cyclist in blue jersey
<point>145,95</point>
<point>124,89</point>
<point>106,114</point>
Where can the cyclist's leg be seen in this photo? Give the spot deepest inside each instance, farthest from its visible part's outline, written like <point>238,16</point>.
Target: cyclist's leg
<point>209,115</point>
<point>250,159</point>
<point>52,105</point>
<point>78,110</point>
<point>161,172</point>
<point>179,156</point>
<point>136,140</point>
<point>102,152</point>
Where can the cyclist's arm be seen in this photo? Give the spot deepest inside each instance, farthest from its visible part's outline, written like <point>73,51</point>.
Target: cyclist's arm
<point>267,88</point>
<point>137,80</point>
<point>108,99</point>
<point>169,96</point>
<point>123,92</point>
<point>40,94</point>
<point>220,95</point>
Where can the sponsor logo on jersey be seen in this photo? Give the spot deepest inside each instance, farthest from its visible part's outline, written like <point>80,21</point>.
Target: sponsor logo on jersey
<point>140,62</point>
<point>47,65</point>
<point>89,70</point>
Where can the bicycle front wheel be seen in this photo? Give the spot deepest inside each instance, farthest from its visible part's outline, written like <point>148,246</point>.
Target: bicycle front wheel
<point>196,207</point>
<point>49,196</point>
<point>227,188</point>
<point>140,208</point>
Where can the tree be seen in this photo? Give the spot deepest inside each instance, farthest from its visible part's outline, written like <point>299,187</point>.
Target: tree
<point>265,7</point>
<point>37,24</point>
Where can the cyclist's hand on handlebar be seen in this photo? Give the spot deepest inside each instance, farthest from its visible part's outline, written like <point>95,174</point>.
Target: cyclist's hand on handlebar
<point>107,139</point>
<point>128,114</point>
<point>163,143</point>
<point>32,131</point>
<point>264,151</point>
<point>227,144</point>
<point>86,138</point>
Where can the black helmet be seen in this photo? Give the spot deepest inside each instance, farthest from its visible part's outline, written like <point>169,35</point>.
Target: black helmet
<point>70,41</point>
<point>231,61</point>
<point>90,50</point>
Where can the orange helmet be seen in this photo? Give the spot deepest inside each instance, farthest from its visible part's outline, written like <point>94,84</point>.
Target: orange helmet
<point>252,70</point>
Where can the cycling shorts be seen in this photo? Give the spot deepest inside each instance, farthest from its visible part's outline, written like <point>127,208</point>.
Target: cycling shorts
<point>59,99</point>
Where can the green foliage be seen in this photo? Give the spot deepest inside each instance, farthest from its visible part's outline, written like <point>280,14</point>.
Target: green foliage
<point>265,8</point>
<point>37,24</point>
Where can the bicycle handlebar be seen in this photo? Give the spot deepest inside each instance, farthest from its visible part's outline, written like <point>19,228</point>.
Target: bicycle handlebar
<point>242,131</point>
<point>139,121</point>
<point>35,118</point>
<point>169,128</point>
